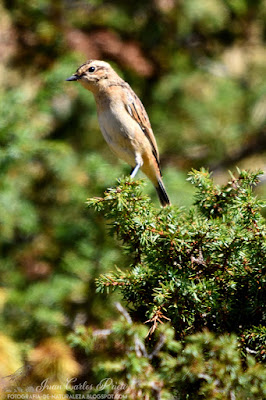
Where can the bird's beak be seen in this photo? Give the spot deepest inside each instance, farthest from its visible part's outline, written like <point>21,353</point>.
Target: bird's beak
<point>72,78</point>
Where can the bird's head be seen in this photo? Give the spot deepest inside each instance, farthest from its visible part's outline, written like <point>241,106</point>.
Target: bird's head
<point>93,74</point>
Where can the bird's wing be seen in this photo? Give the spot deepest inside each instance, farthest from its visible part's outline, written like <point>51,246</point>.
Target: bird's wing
<point>137,111</point>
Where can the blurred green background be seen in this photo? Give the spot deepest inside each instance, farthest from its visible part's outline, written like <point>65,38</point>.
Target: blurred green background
<point>200,69</point>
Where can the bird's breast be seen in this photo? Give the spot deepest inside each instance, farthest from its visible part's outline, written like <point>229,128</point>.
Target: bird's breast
<point>116,124</point>
<point>120,131</point>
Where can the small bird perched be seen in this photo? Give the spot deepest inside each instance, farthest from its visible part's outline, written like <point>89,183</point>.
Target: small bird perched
<point>123,121</point>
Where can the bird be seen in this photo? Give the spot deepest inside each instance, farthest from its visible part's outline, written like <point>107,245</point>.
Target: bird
<point>123,121</point>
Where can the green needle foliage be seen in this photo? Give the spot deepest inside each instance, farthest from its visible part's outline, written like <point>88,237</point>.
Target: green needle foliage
<point>204,366</point>
<point>203,270</point>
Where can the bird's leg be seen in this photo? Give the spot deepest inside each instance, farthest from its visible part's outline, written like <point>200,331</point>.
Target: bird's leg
<point>134,171</point>
<point>139,163</point>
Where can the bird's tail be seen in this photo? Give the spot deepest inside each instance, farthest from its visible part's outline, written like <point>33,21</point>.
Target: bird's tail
<point>163,197</point>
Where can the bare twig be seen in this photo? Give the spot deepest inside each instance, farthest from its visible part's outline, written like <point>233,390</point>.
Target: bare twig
<point>140,348</point>
<point>102,332</point>
<point>158,346</point>
<point>124,312</point>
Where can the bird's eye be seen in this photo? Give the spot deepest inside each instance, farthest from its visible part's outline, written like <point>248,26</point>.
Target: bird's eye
<point>91,69</point>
